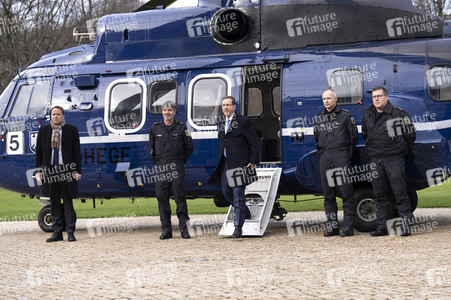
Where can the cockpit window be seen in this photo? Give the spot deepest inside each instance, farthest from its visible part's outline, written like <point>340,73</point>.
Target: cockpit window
<point>439,81</point>
<point>5,96</point>
<point>20,104</point>
<point>38,101</point>
<point>31,99</point>
<point>124,107</point>
<point>348,84</point>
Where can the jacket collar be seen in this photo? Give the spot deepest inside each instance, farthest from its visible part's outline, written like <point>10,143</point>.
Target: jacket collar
<point>387,109</point>
<point>335,110</point>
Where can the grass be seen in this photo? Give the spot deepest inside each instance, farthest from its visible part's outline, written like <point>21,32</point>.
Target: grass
<point>15,207</point>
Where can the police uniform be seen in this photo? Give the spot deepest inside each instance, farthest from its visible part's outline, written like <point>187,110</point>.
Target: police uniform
<point>336,137</point>
<point>388,136</point>
<point>170,145</point>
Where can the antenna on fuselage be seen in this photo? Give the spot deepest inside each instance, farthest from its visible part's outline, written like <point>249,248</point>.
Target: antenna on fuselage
<point>19,70</point>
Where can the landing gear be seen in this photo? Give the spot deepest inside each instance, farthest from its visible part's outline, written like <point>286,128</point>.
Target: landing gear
<point>365,218</point>
<point>278,212</point>
<point>45,219</point>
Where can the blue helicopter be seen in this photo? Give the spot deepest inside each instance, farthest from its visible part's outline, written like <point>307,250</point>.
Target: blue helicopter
<point>276,57</point>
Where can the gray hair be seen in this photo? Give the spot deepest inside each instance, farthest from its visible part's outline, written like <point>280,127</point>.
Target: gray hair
<point>335,94</point>
<point>169,104</point>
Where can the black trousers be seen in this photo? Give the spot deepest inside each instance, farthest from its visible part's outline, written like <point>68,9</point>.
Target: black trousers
<point>163,191</point>
<point>391,173</point>
<point>332,166</point>
<point>66,211</point>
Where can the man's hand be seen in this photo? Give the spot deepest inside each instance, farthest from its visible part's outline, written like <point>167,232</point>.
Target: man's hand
<point>39,177</point>
<point>251,166</point>
<point>77,176</point>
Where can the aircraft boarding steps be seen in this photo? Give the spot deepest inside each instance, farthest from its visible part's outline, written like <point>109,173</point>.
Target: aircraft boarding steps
<point>262,195</point>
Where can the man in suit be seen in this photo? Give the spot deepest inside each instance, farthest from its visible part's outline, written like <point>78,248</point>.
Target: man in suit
<point>239,150</point>
<point>58,154</point>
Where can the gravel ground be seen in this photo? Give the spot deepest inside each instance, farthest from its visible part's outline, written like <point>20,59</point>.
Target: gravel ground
<point>122,258</point>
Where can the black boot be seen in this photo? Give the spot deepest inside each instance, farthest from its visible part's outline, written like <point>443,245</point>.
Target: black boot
<point>57,236</point>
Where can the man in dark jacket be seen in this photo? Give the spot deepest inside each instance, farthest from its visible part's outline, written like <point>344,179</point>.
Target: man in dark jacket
<point>388,132</point>
<point>170,147</point>
<point>336,137</point>
<point>58,155</point>
<point>239,150</point>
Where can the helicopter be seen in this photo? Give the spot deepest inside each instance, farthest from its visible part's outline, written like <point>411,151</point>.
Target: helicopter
<point>276,57</point>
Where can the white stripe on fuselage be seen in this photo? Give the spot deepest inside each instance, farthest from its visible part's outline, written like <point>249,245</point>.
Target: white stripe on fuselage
<point>201,135</point>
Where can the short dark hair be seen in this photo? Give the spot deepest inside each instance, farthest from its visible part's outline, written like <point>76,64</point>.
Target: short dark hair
<point>381,88</point>
<point>229,97</point>
<point>59,107</point>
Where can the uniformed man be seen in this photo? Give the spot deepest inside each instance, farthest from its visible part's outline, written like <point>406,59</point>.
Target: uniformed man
<point>170,145</point>
<point>388,132</point>
<point>336,137</point>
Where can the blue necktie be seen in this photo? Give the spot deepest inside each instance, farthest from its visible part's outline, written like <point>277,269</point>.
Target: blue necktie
<point>226,129</point>
<point>55,157</point>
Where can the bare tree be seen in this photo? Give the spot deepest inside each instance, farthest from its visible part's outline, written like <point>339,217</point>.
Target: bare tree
<point>435,7</point>
<point>30,29</point>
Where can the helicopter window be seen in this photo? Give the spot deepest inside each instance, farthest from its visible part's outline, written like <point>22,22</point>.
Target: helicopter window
<point>37,103</point>
<point>348,84</point>
<point>439,81</point>
<point>5,96</point>
<point>125,106</point>
<point>276,100</point>
<point>21,102</point>
<point>206,104</point>
<point>160,92</point>
<point>254,105</point>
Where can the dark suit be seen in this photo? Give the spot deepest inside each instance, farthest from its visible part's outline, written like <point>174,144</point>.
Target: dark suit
<point>59,184</point>
<point>242,147</point>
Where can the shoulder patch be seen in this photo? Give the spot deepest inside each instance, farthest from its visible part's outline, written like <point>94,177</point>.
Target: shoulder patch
<point>187,133</point>
<point>407,120</point>
<point>352,120</point>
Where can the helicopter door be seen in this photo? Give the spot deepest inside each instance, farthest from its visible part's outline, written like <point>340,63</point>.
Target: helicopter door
<point>26,113</point>
<point>262,96</point>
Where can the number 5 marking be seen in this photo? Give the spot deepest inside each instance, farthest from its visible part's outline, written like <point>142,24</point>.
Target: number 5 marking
<point>14,143</point>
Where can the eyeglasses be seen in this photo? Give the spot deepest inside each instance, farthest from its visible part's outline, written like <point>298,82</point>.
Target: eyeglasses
<point>378,96</point>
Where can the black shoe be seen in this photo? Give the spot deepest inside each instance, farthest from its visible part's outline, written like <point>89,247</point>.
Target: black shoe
<point>405,231</point>
<point>166,235</point>
<point>332,232</point>
<point>237,233</point>
<point>185,234</point>
<point>379,232</point>
<point>347,231</point>
<point>71,237</point>
<point>55,237</point>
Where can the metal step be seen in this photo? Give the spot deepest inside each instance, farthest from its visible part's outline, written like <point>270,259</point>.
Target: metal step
<point>260,198</point>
